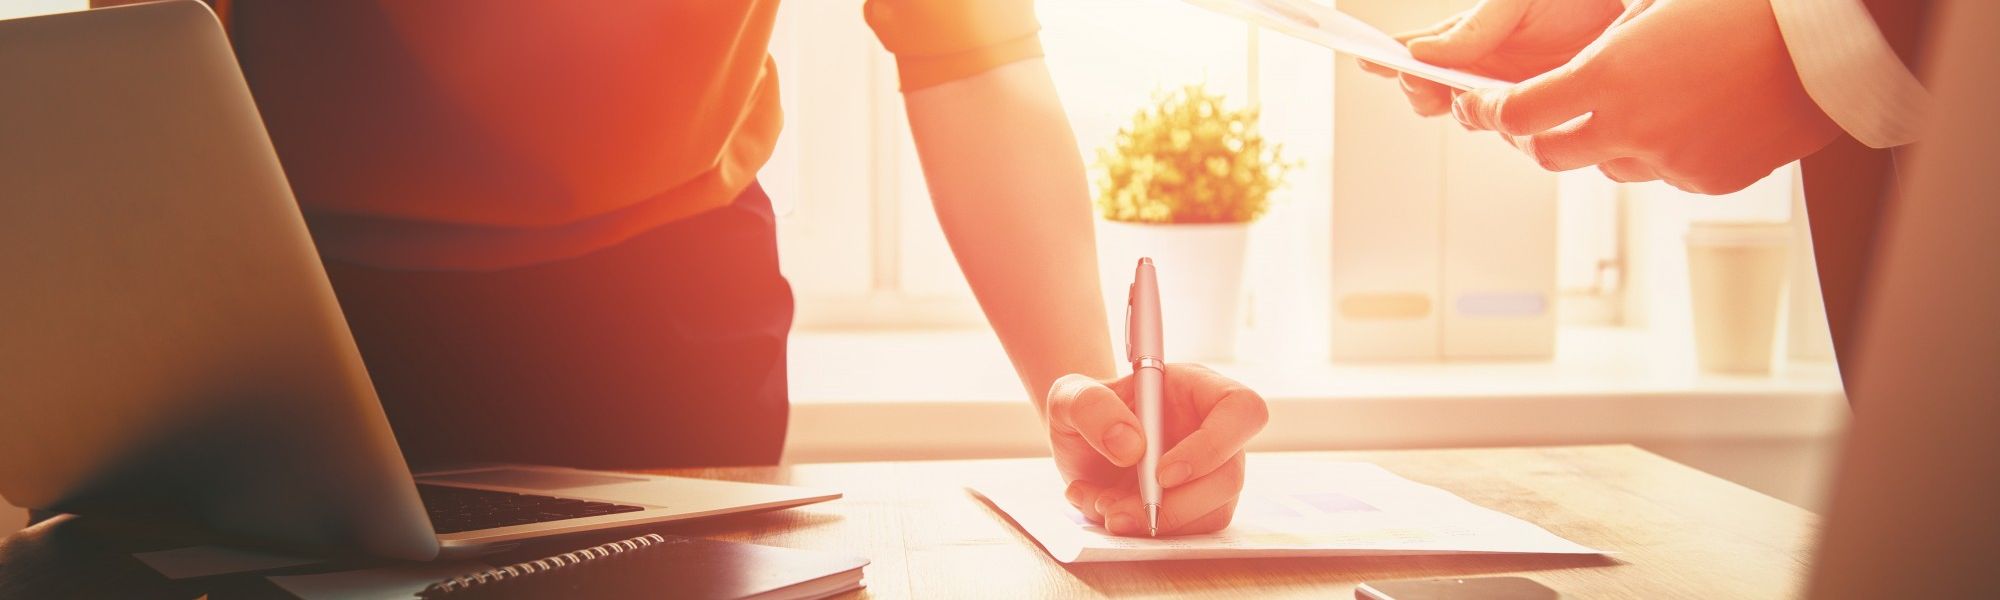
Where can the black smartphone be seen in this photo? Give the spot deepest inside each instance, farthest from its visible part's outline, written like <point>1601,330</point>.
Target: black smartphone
<point>1474,588</point>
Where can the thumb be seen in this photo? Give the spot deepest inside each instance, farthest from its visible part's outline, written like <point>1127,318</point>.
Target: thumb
<point>1528,107</point>
<point>1482,30</point>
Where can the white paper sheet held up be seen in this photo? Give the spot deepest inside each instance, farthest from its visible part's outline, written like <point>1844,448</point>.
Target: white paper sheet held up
<point>1292,507</point>
<point>1323,25</point>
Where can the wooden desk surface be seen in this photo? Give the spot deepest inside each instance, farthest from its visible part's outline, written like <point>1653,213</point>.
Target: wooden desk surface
<point>1677,532</point>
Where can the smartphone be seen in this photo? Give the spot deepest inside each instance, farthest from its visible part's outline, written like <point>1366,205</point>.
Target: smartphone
<point>1479,588</point>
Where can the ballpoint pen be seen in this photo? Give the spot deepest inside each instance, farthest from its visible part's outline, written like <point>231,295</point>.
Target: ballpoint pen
<point>1149,371</point>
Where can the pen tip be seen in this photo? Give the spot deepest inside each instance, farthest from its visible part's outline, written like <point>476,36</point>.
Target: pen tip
<point>1153,520</point>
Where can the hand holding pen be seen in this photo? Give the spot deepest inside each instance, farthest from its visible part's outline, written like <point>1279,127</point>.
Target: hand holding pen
<point>1099,441</point>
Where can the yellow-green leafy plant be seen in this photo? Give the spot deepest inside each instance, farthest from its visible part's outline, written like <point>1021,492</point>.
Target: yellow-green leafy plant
<point>1189,158</point>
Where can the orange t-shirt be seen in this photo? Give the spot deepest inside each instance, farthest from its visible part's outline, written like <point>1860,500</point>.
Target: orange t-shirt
<point>463,135</point>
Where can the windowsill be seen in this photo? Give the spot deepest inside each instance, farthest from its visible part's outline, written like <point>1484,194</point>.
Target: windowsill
<point>969,366</point>
<point>880,395</point>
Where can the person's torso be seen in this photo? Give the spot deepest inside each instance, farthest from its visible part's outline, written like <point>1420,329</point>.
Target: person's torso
<point>454,134</point>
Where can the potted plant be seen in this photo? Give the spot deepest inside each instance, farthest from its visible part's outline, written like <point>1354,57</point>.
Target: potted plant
<point>1181,184</point>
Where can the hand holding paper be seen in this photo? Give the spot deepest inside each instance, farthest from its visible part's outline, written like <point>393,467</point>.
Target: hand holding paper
<point>1701,94</point>
<point>1600,83</point>
<point>1511,40</point>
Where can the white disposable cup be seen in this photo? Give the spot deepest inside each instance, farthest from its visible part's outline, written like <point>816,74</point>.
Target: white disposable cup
<point>1736,278</point>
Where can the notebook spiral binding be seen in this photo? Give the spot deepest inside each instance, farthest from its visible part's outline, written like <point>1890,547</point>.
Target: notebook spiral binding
<point>521,569</point>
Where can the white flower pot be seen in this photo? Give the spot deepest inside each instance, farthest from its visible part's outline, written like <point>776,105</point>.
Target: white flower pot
<point>1200,270</point>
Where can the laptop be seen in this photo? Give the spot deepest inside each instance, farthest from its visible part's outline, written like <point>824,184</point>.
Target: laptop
<point>170,348</point>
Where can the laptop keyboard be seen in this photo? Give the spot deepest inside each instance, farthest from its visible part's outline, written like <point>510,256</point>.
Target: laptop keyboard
<point>456,509</point>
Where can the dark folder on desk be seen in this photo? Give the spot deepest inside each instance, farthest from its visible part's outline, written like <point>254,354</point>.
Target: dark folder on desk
<point>660,566</point>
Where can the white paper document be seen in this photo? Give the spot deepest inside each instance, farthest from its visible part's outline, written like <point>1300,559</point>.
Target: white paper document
<point>1291,507</point>
<point>1321,24</point>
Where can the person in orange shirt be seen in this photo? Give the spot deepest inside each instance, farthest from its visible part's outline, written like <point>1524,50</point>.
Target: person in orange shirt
<point>543,224</point>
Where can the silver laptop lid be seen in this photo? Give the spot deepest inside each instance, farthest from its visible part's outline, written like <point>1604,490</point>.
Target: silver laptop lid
<point>169,344</point>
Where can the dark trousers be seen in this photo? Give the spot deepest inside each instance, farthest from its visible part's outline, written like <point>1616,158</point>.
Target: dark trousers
<point>664,350</point>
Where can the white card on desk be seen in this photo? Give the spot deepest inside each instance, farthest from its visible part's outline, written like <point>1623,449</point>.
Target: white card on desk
<point>396,581</point>
<point>206,561</point>
<point>1291,507</point>
<point>1323,25</point>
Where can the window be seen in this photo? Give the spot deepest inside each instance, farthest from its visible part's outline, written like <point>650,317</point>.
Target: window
<point>864,251</point>
<point>859,239</point>
<point>23,8</point>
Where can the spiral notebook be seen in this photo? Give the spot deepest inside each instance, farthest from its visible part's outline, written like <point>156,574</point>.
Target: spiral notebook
<point>647,566</point>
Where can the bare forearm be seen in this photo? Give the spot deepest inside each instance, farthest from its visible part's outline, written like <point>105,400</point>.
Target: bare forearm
<point>1010,192</point>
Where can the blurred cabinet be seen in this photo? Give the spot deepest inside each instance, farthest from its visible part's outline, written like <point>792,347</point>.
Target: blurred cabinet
<point>1443,241</point>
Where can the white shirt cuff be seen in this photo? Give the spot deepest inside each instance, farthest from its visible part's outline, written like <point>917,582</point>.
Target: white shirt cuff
<point>1850,70</point>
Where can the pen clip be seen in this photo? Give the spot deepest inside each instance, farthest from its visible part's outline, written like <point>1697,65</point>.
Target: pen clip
<point>1131,294</point>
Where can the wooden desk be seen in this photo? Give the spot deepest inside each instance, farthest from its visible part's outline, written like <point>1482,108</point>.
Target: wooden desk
<point>1679,533</point>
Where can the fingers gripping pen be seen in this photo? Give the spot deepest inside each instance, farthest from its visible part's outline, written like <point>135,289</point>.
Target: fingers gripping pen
<point>1149,370</point>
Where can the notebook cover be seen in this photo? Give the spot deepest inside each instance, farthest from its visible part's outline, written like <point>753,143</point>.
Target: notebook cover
<point>692,568</point>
